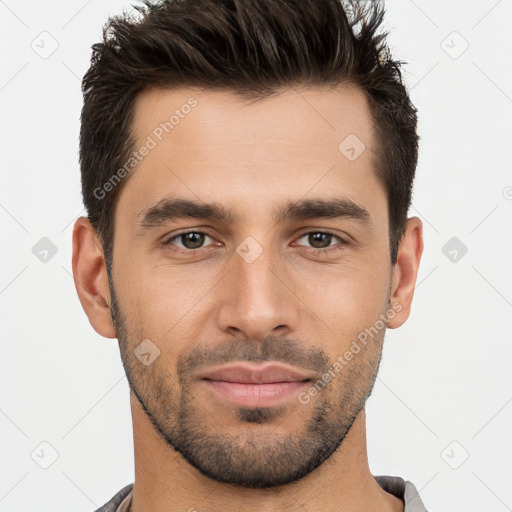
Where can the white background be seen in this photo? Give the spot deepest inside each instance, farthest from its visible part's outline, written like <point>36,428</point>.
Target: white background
<point>445,387</point>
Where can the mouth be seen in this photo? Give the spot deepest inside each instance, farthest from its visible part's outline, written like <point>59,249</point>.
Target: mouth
<point>263,385</point>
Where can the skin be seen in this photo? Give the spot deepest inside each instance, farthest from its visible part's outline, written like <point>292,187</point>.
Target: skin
<point>293,304</point>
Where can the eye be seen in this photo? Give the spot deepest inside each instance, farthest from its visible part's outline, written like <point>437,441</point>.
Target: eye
<point>321,240</point>
<point>194,241</point>
<point>188,241</point>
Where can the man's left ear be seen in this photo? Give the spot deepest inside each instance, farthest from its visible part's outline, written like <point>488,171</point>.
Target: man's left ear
<point>405,272</point>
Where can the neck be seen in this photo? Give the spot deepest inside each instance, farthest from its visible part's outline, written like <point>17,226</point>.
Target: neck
<point>166,482</point>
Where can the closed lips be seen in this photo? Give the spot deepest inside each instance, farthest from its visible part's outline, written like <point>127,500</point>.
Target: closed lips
<point>251,374</point>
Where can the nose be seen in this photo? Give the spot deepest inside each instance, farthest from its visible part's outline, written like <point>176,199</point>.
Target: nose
<point>258,299</point>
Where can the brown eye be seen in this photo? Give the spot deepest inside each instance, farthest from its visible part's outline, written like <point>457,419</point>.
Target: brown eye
<point>188,241</point>
<point>321,239</point>
<point>192,240</point>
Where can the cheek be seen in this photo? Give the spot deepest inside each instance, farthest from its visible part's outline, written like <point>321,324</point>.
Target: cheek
<point>348,298</point>
<point>169,305</point>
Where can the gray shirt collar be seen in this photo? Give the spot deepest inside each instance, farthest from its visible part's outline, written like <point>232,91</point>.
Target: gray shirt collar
<point>395,485</point>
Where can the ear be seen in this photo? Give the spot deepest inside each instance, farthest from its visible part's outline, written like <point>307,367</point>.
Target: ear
<point>405,272</point>
<point>90,276</point>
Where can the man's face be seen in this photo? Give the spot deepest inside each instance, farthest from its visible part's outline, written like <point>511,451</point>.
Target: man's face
<point>268,283</point>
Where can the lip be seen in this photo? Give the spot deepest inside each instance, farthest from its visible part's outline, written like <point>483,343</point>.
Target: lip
<point>247,373</point>
<point>263,385</point>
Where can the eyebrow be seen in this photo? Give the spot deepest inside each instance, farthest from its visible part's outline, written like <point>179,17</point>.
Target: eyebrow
<point>172,209</point>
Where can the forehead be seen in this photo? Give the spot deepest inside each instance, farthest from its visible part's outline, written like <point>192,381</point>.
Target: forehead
<point>306,118</point>
<point>216,145</point>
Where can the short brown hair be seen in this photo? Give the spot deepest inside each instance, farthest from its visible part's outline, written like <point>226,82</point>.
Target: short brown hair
<point>252,48</point>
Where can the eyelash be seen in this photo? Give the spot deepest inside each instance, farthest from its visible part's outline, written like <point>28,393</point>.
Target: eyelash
<point>188,252</point>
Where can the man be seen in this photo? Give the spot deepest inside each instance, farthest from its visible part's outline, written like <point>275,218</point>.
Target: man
<point>247,169</point>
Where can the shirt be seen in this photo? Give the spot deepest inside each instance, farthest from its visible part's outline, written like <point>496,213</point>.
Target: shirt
<point>395,485</point>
